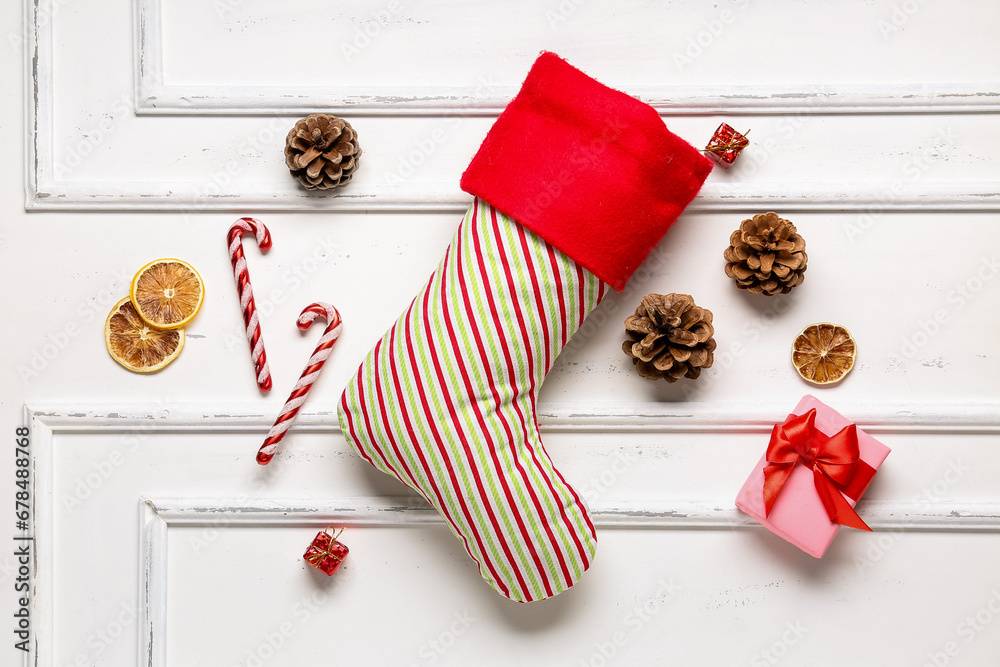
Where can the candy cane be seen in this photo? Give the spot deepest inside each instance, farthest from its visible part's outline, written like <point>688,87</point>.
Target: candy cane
<point>235,238</point>
<point>309,375</point>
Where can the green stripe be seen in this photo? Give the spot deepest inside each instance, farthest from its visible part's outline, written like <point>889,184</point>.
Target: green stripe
<point>454,449</point>
<point>544,272</point>
<point>526,297</point>
<point>470,423</point>
<point>538,318</point>
<point>427,441</point>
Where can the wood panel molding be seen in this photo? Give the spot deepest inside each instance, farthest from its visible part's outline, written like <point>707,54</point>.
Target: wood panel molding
<point>158,514</point>
<point>153,97</point>
<point>44,191</point>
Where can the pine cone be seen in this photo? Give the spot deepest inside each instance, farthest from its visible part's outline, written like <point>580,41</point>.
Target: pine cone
<point>669,337</point>
<point>766,255</point>
<point>322,151</point>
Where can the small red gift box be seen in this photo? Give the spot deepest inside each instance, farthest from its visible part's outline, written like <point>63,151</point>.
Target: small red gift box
<point>326,553</point>
<point>816,467</point>
<point>726,145</point>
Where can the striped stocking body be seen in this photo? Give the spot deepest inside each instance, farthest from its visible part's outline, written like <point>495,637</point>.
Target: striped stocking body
<point>445,402</point>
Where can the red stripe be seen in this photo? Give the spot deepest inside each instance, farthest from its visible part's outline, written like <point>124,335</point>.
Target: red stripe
<point>539,302</point>
<point>243,285</point>
<point>579,503</point>
<point>486,366</point>
<point>531,393</point>
<point>488,290</point>
<point>428,412</point>
<point>582,299</point>
<point>386,424</point>
<point>346,411</point>
<point>441,505</point>
<point>460,432</point>
<point>562,301</point>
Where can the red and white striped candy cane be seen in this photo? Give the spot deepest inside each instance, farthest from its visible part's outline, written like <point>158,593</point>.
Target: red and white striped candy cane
<point>308,377</point>
<point>235,239</point>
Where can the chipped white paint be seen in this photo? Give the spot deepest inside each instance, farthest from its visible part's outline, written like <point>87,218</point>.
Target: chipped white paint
<point>152,588</point>
<point>669,101</point>
<point>47,189</point>
<point>756,417</point>
<point>153,96</point>
<point>670,513</point>
<point>387,510</point>
<point>159,514</point>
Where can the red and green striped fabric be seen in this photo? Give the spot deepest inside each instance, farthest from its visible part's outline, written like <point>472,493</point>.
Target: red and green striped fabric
<point>445,402</point>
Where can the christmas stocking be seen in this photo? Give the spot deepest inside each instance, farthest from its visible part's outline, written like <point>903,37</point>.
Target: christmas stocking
<point>574,185</point>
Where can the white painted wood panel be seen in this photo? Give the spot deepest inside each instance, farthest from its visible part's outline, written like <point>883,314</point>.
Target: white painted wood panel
<point>148,124</point>
<point>86,150</point>
<point>408,56</point>
<point>882,277</point>
<point>661,499</point>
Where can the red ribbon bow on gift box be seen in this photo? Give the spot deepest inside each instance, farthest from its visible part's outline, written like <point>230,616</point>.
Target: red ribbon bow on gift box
<point>835,461</point>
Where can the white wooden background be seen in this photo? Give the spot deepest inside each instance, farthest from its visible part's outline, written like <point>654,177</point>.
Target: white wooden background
<point>148,126</point>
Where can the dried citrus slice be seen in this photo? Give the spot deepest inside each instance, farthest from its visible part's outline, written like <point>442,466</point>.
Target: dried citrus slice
<point>136,345</point>
<point>824,353</point>
<point>167,293</point>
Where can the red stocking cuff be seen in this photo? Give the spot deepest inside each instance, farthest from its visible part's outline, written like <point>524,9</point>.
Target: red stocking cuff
<point>591,170</point>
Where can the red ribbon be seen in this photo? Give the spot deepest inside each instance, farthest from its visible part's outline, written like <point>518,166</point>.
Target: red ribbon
<point>835,461</point>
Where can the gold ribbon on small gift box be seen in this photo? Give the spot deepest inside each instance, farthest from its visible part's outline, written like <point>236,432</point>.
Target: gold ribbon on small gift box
<point>727,139</point>
<point>320,556</point>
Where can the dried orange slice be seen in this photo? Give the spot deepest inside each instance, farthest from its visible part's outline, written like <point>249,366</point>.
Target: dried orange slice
<point>167,293</point>
<point>137,346</point>
<point>824,353</point>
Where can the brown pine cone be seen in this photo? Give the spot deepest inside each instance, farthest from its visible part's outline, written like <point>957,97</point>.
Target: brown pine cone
<point>766,255</point>
<point>322,151</point>
<point>669,337</point>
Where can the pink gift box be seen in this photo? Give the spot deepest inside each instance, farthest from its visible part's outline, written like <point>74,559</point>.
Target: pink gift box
<point>798,514</point>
